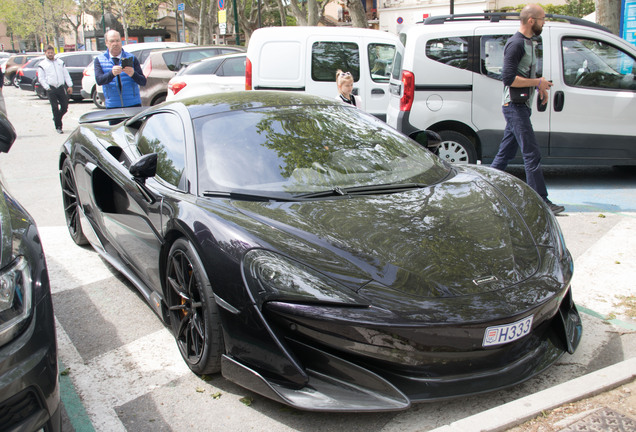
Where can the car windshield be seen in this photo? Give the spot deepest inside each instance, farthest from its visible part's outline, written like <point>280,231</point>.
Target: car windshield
<point>302,150</point>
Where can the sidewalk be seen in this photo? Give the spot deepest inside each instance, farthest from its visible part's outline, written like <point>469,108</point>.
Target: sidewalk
<point>508,416</point>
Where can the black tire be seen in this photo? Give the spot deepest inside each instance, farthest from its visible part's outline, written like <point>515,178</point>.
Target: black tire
<point>16,80</point>
<point>97,100</point>
<point>456,148</point>
<point>194,315</point>
<point>7,80</point>
<point>159,99</point>
<point>71,203</point>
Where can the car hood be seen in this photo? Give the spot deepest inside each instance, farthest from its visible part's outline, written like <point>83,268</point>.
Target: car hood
<point>459,237</point>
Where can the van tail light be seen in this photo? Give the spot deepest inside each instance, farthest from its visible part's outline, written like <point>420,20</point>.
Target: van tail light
<point>20,72</point>
<point>408,84</point>
<point>147,67</point>
<point>176,87</point>
<point>248,74</point>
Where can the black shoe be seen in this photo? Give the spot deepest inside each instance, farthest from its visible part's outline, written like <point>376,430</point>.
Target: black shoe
<point>60,131</point>
<point>556,209</point>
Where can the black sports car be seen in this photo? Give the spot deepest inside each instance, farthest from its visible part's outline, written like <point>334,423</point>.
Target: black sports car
<point>318,257</point>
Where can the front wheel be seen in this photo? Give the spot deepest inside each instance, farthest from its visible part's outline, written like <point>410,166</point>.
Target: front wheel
<point>194,315</point>
<point>71,203</point>
<point>456,148</point>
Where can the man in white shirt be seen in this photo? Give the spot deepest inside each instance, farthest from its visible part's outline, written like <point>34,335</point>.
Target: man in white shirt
<point>58,84</point>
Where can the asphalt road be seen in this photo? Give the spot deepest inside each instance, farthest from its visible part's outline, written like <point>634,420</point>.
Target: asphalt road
<point>122,370</point>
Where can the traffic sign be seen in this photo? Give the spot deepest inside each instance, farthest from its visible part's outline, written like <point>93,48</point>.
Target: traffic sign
<point>181,6</point>
<point>221,4</point>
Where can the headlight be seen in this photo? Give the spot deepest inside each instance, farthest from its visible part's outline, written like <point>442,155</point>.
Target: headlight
<point>15,298</point>
<point>270,276</point>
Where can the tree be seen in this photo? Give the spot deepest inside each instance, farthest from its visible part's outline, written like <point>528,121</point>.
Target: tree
<point>357,13</point>
<point>608,14</point>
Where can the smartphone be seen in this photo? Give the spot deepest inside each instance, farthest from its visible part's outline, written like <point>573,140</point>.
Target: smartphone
<point>127,61</point>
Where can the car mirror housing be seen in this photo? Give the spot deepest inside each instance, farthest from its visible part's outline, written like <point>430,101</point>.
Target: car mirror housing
<point>427,139</point>
<point>144,167</point>
<point>7,134</point>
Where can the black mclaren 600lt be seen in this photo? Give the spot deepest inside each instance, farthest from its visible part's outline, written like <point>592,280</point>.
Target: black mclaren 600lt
<point>314,255</point>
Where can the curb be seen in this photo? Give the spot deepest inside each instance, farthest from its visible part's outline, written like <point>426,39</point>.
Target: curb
<point>521,410</point>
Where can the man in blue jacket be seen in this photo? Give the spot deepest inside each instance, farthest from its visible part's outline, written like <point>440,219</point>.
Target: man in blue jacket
<point>119,74</point>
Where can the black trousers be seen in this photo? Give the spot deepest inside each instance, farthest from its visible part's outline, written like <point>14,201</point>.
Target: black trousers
<point>59,104</point>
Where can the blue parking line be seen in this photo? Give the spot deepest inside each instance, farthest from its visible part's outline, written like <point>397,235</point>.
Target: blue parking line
<point>616,322</point>
<point>72,404</point>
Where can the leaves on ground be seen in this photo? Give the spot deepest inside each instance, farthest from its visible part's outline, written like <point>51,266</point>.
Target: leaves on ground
<point>216,395</point>
<point>66,371</point>
<point>247,400</point>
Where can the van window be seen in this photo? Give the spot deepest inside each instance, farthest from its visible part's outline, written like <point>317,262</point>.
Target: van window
<point>451,51</point>
<point>328,57</point>
<point>396,72</point>
<point>380,59</point>
<point>595,64</point>
<point>491,55</point>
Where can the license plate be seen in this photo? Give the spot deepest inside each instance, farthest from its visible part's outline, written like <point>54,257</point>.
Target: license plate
<point>497,335</point>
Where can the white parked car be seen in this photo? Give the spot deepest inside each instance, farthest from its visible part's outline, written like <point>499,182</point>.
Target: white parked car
<point>90,90</point>
<point>212,75</point>
<point>447,78</point>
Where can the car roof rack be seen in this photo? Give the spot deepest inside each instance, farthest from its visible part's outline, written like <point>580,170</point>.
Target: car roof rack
<point>499,16</point>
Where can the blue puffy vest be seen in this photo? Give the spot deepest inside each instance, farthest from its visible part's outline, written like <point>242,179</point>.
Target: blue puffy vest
<point>129,88</point>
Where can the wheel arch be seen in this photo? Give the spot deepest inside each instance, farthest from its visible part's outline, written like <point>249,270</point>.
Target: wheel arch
<point>462,128</point>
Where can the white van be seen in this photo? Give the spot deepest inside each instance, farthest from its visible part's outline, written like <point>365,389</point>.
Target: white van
<point>447,78</point>
<point>306,59</point>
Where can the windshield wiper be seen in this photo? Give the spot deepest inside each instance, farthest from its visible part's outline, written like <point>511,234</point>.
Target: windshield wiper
<point>364,190</point>
<point>245,196</point>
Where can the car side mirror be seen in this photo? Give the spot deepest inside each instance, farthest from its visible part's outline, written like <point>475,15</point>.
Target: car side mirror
<point>427,139</point>
<point>144,167</point>
<point>7,134</point>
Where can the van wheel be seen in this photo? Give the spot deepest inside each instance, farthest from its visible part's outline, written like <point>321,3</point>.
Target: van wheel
<point>456,148</point>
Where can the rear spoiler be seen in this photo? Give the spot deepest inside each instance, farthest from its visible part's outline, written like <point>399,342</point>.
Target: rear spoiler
<point>118,114</point>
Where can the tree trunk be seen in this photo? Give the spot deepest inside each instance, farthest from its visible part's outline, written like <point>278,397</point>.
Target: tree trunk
<point>608,14</point>
<point>357,13</point>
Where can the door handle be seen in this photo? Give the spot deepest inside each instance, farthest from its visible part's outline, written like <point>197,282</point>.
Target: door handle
<point>376,91</point>
<point>559,101</point>
<point>540,106</point>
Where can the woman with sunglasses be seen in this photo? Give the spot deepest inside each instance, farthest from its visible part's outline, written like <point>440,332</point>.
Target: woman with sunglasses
<point>344,82</point>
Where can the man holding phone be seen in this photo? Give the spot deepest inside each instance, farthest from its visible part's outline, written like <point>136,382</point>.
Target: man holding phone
<point>119,74</point>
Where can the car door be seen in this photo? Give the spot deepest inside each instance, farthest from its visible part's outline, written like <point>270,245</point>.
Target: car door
<point>488,90</point>
<point>229,76</point>
<point>136,228</point>
<point>379,57</point>
<point>593,97</point>
<point>327,54</point>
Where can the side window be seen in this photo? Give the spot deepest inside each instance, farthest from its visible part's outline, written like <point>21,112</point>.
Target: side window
<point>491,54</point>
<point>595,64</point>
<point>452,51</point>
<point>380,61</point>
<point>163,134</point>
<point>232,67</point>
<point>188,57</point>
<point>207,67</point>
<point>171,60</point>
<point>396,72</point>
<point>328,57</point>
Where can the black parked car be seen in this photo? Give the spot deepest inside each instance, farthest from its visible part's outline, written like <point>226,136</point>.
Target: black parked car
<point>28,74</point>
<point>316,256</point>
<point>75,62</point>
<point>29,389</point>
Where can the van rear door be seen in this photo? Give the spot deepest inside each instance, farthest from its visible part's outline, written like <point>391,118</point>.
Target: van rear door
<point>368,59</point>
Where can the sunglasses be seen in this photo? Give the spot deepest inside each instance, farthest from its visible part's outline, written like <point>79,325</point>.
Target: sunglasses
<point>345,74</point>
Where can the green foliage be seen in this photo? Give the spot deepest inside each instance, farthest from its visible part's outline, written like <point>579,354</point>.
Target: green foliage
<point>574,8</point>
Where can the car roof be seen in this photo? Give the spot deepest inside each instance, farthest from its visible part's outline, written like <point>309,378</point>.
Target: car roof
<point>215,103</point>
<point>199,47</point>
<point>154,45</point>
